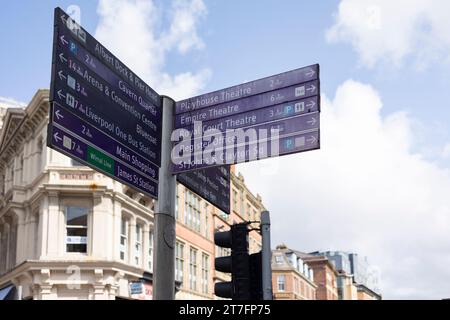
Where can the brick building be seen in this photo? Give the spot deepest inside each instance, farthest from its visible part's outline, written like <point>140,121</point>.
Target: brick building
<point>325,276</point>
<point>301,275</point>
<point>292,279</point>
<point>357,279</point>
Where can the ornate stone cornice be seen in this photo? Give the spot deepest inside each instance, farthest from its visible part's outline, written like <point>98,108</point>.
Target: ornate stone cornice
<point>20,124</point>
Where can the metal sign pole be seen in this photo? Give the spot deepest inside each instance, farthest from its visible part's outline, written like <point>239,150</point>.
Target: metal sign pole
<point>164,237</point>
<point>266,256</point>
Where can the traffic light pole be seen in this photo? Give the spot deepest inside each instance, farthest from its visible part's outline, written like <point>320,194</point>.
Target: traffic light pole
<point>266,256</point>
<point>164,236</point>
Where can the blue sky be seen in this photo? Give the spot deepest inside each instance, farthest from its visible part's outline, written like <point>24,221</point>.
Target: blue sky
<point>383,166</point>
<point>261,37</point>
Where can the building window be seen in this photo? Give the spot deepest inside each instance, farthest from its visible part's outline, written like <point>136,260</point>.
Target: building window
<point>193,269</point>
<point>11,174</point>
<point>150,251</point>
<point>222,252</point>
<point>235,200</point>
<point>179,261</point>
<point>223,215</point>
<point>205,273</point>
<point>39,148</point>
<point>281,280</point>
<point>21,169</point>
<point>241,202</point>
<point>138,245</point>
<point>192,211</point>
<point>206,221</point>
<point>76,229</point>
<point>123,239</point>
<point>12,246</point>
<point>177,199</point>
<point>278,259</point>
<point>4,247</point>
<point>2,185</point>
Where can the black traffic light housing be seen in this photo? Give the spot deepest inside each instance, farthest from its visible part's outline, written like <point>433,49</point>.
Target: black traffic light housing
<point>245,269</point>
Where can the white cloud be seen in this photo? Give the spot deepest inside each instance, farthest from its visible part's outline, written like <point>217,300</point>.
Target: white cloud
<point>6,103</point>
<point>11,103</point>
<point>132,29</point>
<point>364,191</point>
<point>446,151</point>
<point>182,33</point>
<point>390,31</point>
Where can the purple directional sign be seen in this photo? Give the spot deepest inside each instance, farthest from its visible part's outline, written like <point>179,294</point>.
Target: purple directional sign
<point>241,119</point>
<point>131,125</point>
<point>255,134</point>
<point>67,121</point>
<point>70,33</point>
<point>88,154</point>
<point>212,184</point>
<point>252,103</point>
<point>252,88</point>
<point>104,108</point>
<point>261,116</point>
<point>250,144</point>
<point>290,144</point>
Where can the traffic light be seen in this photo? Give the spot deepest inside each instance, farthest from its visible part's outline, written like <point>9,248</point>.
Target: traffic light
<point>256,286</point>
<point>245,269</point>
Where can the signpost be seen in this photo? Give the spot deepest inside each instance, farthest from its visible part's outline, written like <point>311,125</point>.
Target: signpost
<point>288,103</point>
<point>102,114</point>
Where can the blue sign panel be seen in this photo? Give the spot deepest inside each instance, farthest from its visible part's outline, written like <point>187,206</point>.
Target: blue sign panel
<point>102,114</point>
<point>136,287</point>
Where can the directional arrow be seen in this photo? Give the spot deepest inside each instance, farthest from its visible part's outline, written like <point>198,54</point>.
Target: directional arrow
<point>310,73</point>
<point>312,104</point>
<point>59,115</point>
<point>63,40</point>
<point>61,75</point>
<point>60,95</point>
<point>63,19</point>
<point>61,57</point>
<point>57,137</point>
<point>312,121</point>
<point>312,88</point>
<point>311,140</point>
